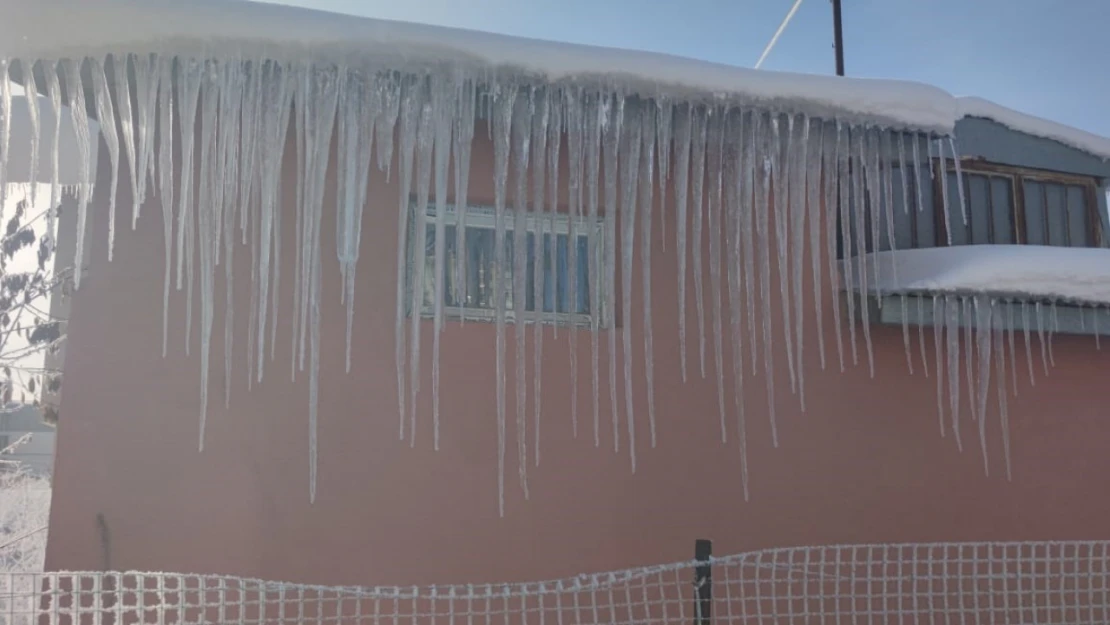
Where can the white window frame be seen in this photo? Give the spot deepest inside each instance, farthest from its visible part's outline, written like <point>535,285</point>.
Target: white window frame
<point>483,216</point>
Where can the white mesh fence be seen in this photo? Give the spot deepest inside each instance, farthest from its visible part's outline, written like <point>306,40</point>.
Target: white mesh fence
<point>1039,583</point>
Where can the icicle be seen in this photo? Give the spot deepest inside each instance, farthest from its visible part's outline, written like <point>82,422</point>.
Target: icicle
<point>1003,409</point>
<point>984,331</point>
<point>813,214</point>
<point>539,171</point>
<point>574,158</point>
<point>165,184</point>
<point>5,137</point>
<point>902,175</point>
<point>231,104</point>
<point>947,214</point>
<point>749,158</point>
<point>920,203</point>
<point>849,191</point>
<point>630,163</point>
<point>277,83</point>
<point>464,136</point>
<point>248,150</point>
<point>781,164</point>
<point>521,137</point>
<point>425,142</point>
<point>959,177</point>
<point>31,98</point>
<point>698,130</point>
<point>611,137</point>
<point>832,180</point>
<point>952,314</point>
<point>106,113</point>
<point>682,136</point>
<point>647,187</point>
<point>503,100</point>
<point>798,186</point>
<point>1040,334</point>
<point>410,105</point>
<point>1052,334</point>
<point>1010,338</point>
<point>715,131</point>
<point>906,332</point>
<point>147,77</point>
<point>869,190</point>
<point>664,129</point>
<point>554,145</point>
<point>79,114</point>
<point>127,126</point>
<point>969,319</point>
<point>940,314</point>
<point>54,94</point>
<point>188,91</point>
<point>593,120</point>
<point>1028,342</point>
<point>206,207</point>
<point>762,207</point>
<point>921,333</point>
<point>443,107</point>
<point>735,163</point>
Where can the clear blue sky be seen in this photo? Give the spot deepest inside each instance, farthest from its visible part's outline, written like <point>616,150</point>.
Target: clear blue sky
<point>1044,57</point>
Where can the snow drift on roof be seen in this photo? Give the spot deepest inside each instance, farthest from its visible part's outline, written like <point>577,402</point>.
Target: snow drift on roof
<point>1036,126</point>
<point>1080,275</point>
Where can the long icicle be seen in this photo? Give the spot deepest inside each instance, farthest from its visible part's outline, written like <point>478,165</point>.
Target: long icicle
<point>504,99</point>
<point>798,200</point>
<point>834,183</point>
<point>614,119</point>
<point>539,183</point>
<point>443,105</point>
<point>189,77</point>
<point>54,94</point>
<point>571,282</point>
<point>127,126</point>
<point>735,162</point>
<point>715,131</point>
<point>521,149</point>
<point>105,112</point>
<point>409,112</point>
<point>682,135</point>
<point>630,164</point>
<point>813,213</point>
<point>79,115</point>
<point>765,142</point>
<point>781,165</point>
<point>984,332</point>
<point>749,161</point>
<point>6,131</point>
<point>647,187</point>
<point>848,180</point>
<point>697,175</point>
<point>593,120</point>
<point>30,87</point>
<point>425,142</point>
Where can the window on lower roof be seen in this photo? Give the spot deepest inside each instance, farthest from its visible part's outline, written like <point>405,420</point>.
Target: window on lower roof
<point>551,293</point>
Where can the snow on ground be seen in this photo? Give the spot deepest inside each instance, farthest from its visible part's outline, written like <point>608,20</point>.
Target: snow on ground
<point>1034,271</point>
<point>24,514</point>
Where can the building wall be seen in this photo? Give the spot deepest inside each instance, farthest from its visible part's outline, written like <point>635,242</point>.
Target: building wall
<point>864,463</point>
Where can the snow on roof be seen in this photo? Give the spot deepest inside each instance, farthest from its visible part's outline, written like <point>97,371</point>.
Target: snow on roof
<point>88,27</point>
<point>1073,274</point>
<point>1035,126</point>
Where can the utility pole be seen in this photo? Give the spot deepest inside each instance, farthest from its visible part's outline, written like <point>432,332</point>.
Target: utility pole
<point>838,38</point>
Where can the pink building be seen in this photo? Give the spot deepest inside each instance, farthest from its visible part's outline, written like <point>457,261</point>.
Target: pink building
<point>771,173</point>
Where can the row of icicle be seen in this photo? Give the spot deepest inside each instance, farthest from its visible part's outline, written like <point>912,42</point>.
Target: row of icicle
<point>765,188</point>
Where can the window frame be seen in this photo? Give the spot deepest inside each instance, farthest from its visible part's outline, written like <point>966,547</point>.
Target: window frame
<point>484,216</point>
<point>1018,176</point>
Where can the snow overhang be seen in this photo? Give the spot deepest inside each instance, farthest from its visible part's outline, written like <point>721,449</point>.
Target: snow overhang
<point>238,28</point>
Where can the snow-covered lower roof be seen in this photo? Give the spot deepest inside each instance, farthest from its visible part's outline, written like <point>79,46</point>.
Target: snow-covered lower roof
<point>1069,274</point>
<point>1036,126</point>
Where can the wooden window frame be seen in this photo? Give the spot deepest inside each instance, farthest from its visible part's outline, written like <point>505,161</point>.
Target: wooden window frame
<point>1017,176</point>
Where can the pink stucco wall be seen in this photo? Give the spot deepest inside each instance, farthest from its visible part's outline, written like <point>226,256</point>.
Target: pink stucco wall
<point>866,463</point>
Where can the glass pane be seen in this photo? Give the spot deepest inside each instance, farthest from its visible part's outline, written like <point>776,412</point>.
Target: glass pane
<point>979,209</point>
<point>1056,214</point>
<point>1001,198</point>
<point>1077,216</point>
<point>1034,213</point>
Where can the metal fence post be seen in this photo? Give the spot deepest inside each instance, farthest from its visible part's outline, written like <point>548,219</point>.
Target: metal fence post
<point>703,581</point>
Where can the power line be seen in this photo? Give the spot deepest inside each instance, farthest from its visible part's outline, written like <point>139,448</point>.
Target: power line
<point>778,33</point>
